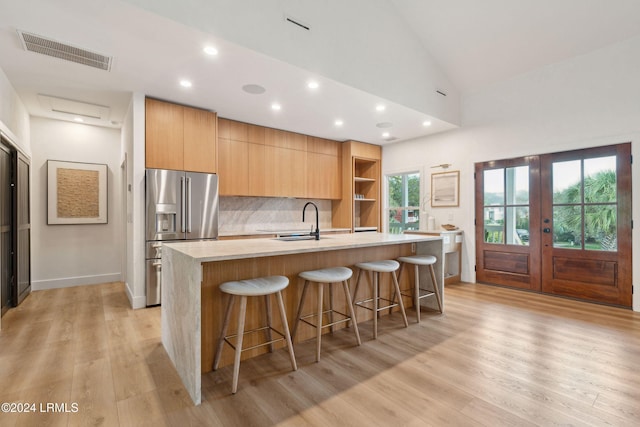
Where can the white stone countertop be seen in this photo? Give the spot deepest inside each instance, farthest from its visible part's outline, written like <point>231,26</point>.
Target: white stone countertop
<point>268,231</point>
<point>221,250</point>
<point>439,231</point>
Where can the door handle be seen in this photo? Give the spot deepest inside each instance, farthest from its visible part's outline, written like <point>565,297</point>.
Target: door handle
<point>184,213</point>
<point>546,230</point>
<point>188,204</point>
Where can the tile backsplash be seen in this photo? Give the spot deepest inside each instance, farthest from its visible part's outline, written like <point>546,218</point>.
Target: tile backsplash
<point>251,215</point>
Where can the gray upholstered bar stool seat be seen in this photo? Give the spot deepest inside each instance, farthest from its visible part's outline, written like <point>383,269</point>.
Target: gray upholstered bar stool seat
<point>376,268</point>
<point>259,287</point>
<point>326,276</point>
<point>417,293</point>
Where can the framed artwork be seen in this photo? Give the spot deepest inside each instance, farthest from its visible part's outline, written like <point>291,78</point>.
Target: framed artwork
<point>76,193</point>
<point>445,189</point>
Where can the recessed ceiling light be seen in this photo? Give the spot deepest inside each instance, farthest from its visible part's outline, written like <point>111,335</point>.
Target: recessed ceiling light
<point>275,106</point>
<point>380,107</point>
<point>338,122</point>
<point>426,123</point>
<point>185,83</point>
<point>78,119</point>
<point>210,50</point>
<point>254,89</point>
<point>386,135</point>
<point>313,85</point>
<point>383,125</point>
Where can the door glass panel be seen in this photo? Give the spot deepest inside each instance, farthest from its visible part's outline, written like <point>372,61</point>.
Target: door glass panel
<point>567,226</point>
<point>567,180</point>
<point>600,227</point>
<point>494,225</point>
<point>494,187</point>
<point>600,180</point>
<point>517,225</point>
<point>517,185</point>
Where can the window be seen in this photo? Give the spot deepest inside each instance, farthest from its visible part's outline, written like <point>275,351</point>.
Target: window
<point>506,213</point>
<point>585,205</point>
<point>404,202</point>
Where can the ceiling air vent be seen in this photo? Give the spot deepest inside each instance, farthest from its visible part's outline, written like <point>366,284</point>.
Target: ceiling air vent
<point>291,20</point>
<point>44,46</point>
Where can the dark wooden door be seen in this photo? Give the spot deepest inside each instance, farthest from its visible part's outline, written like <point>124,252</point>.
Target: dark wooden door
<point>586,224</point>
<point>507,222</point>
<point>6,229</point>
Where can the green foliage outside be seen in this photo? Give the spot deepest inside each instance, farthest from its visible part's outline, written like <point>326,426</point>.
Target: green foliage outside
<point>402,219</point>
<point>600,220</point>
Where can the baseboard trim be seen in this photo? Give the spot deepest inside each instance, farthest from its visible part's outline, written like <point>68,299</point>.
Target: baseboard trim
<point>135,301</point>
<point>67,282</point>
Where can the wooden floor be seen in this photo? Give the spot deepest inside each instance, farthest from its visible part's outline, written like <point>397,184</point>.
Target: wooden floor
<point>496,357</point>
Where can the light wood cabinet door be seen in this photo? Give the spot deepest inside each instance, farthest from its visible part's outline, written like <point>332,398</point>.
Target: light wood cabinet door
<point>164,135</point>
<point>323,176</point>
<point>234,167</point>
<point>324,146</point>
<point>285,174</point>
<point>257,169</point>
<point>200,153</point>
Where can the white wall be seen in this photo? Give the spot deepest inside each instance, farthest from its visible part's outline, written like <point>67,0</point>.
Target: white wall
<point>588,101</point>
<point>14,118</point>
<point>70,255</point>
<point>133,144</point>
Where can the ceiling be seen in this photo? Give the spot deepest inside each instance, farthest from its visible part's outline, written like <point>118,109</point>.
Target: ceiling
<point>476,44</point>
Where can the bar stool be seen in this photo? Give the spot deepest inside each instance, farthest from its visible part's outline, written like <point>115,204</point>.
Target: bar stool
<point>377,267</point>
<point>265,287</point>
<point>326,276</point>
<point>417,261</point>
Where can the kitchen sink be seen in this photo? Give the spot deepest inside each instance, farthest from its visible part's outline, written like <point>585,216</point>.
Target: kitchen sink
<point>294,237</point>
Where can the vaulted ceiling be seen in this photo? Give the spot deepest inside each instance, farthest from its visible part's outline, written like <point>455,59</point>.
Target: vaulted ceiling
<point>415,57</point>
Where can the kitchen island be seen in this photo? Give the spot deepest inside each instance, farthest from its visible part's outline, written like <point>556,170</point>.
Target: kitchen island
<point>193,306</point>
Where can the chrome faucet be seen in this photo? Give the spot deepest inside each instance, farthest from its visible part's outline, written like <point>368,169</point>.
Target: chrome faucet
<point>317,232</point>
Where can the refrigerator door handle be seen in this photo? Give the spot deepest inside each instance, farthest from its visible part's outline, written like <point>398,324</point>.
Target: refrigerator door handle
<point>188,204</point>
<point>182,205</point>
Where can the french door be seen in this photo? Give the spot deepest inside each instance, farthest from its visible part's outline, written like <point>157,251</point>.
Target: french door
<point>557,223</point>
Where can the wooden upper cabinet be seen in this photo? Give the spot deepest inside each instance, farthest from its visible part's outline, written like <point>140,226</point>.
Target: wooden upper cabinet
<point>285,172</point>
<point>324,175</point>
<point>164,134</point>
<point>364,150</point>
<point>324,168</point>
<point>255,134</point>
<point>233,170</point>
<point>265,162</point>
<point>200,153</point>
<point>180,137</point>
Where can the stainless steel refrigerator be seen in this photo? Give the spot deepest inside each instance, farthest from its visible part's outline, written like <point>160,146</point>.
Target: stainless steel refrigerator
<point>179,206</point>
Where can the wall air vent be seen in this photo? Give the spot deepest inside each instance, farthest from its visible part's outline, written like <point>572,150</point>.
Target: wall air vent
<point>45,46</point>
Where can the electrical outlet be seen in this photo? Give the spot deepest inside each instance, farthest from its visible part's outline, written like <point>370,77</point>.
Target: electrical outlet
<point>450,217</point>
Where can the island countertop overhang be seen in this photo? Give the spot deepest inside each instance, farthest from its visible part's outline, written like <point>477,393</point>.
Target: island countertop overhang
<point>222,250</point>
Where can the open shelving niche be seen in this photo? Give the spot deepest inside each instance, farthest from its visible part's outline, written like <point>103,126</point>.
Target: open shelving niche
<point>366,193</point>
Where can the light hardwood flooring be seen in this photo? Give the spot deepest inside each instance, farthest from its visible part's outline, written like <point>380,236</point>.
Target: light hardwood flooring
<point>497,357</point>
